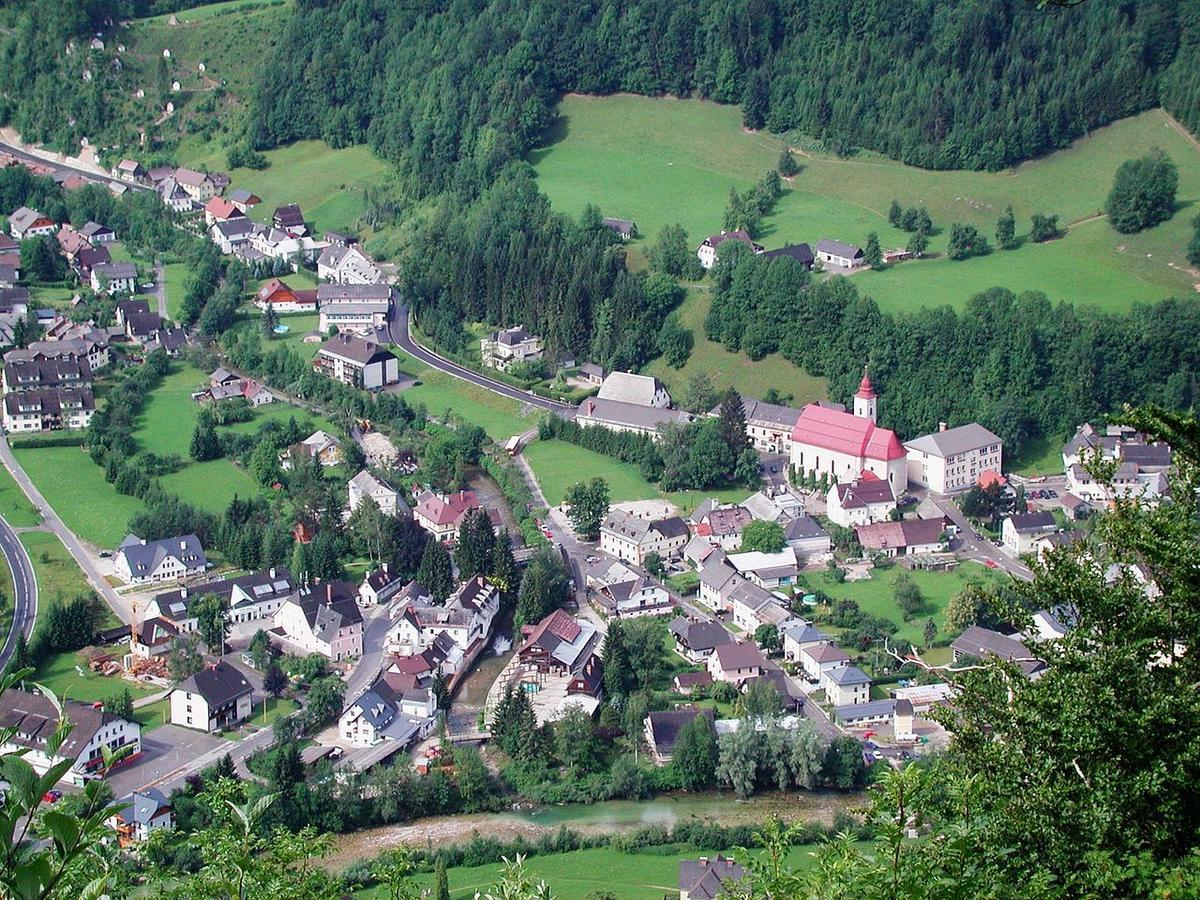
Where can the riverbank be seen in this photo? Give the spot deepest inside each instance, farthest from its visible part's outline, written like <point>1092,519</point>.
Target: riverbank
<point>599,818</point>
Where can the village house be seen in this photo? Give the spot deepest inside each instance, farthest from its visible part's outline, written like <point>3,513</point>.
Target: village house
<point>248,598</point>
<point>841,446</point>
<point>708,250</point>
<point>633,598</point>
<point>592,374</point>
<point>138,561</point>
<point>96,233</point>
<point>141,814</point>
<point>625,229</point>
<point>639,390</point>
<point>717,579</point>
<point>865,714</point>
<point>696,640</point>
<point>723,526</point>
<point>661,730</point>
<point>908,537</point>
<point>218,209</point>
<point>836,253</point>
<point>387,498</point>
<point>768,425</point>
<point>357,362</point>
<point>39,373</point>
<point>324,448</point>
<point>466,618</point>
<point>801,253</point>
<point>284,299</point>
<point>174,196</point>
<point>380,586</point>
<point>323,619</point>
<point>130,170</point>
<point>798,635</point>
<point>25,223</point>
<point>199,186</point>
<point>244,200</point>
<point>819,658</point>
<point>736,663</point>
<point>70,242</point>
<point>846,685</point>
<point>983,643</point>
<point>89,258</point>
<point>114,278</point>
<point>687,683</point>
<point>441,514</point>
<point>216,698</point>
<point>342,264</point>
<point>354,307</point>
<point>512,346</point>
<point>152,637</point>
<point>808,539</point>
<point>1019,531</point>
<point>862,501</point>
<point>49,409</point>
<point>617,416</point>
<point>290,218</point>
<point>632,538</point>
<point>558,665</point>
<point>753,606</point>
<point>1054,541</point>
<point>232,234</point>
<point>33,719</point>
<point>953,459</point>
<point>277,244</point>
<point>91,346</point>
<point>387,711</point>
<point>767,570</point>
<point>706,878</point>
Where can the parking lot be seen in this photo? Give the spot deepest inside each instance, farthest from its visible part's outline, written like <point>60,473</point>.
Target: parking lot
<point>164,751</point>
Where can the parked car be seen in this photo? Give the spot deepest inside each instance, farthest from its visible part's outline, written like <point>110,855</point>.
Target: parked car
<point>52,796</point>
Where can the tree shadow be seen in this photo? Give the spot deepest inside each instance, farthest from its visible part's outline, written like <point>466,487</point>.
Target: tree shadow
<point>556,132</point>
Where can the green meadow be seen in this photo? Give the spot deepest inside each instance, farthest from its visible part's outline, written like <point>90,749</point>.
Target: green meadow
<point>658,161</point>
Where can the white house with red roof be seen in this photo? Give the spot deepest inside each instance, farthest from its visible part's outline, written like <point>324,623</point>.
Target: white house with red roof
<point>440,514</point>
<point>865,500</point>
<point>842,445</point>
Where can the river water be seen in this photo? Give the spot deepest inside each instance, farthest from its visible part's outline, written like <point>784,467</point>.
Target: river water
<point>610,816</point>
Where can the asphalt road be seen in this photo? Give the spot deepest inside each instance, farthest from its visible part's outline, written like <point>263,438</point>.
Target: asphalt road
<point>25,591</point>
<point>62,167</point>
<point>400,333</point>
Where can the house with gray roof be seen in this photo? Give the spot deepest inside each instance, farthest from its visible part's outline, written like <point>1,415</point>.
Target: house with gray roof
<point>808,538</point>
<point>705,878</point>
<point>983,644</point>
<point>616,415</point>
<point>323,619</point>
<point>846,685</point>
<point>248,598</point>
<point>799,635</point>
<point>357,362</point>
<point>801,253</point>
<point>839,254</point>
<point>142,813</point>
<point>508,347</point>
<point>632,538</point>
<point>642,390</point>
<point>114,278</point>
<point>25,223</point>
<point>216,698</point>
<point>386,497</point>
<point>138,561</point>
<point>1020,531</point>
<point>661,730</point>
<point>768,425</point>
<point>696,640</point>
<point>391,708</point>
<point>951,460</point>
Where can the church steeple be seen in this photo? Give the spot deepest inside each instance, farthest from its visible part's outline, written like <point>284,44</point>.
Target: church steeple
<point>864,400</point>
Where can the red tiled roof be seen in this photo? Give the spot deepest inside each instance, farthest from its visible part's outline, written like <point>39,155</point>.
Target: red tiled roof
<point>221,208</point>
<point>842,432</point>
<point>269,291</point>
<point>449,510</point>
<point>990,477</point>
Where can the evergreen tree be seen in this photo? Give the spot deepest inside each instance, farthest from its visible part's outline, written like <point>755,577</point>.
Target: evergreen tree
<point>787,166</point>
<point>205,444</point>
<point>275,682</point>
<point>618,679</point>
<point>504,567</point>
<point>1006,227</point>
<point>918,244</point>
<point>732,423</point>
<point>756,101</point>
<point>544,588</point>
<point>930,633</point>
<point>299,565</point>
<point>435,572</point>
<point>894,213</point>
<point>441,883</point>
<point>872,254</point>
<point>1194,246</point>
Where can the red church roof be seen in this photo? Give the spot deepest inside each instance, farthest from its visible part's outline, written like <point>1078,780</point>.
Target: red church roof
<point>842,432</point>
<point>865,390</point>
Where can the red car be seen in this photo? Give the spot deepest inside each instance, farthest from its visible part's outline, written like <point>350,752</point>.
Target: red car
<point>990,563</point>
<point>52,796</point>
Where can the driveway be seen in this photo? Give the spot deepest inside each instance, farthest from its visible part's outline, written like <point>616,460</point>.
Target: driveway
<point>165,751</point>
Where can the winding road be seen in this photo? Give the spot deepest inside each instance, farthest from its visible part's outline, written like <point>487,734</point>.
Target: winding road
<point>25,590</point>
<point>400,331</point>
<point>19,153</point>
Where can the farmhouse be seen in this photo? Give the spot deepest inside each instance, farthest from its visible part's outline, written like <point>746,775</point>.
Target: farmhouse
<point>25,223</point>
<point>216,698</point>
<point>323,619</point>
<point>860,502</point>
<point>801,253</point>
<point>142,813</point>
<point>661,729</point>
<point>34,718</point>
<point>199,186</point>
<point>97,233</point>
<point>633,538</point>
<point>707,252</point>
<point>1019,532</point>
<point>441,514</point>
<point>218,209</point>
<point>138,561</point>
<point>290,218</point>
<point>953,459</point>
<point>639,390</point>
<point>114,278</point>
<point>798,636</point>
<point>835,253</point>
<point>388,711</point>
<point>355,307</point>
<point>359,363</point>
<point>908,537</point>
<point>130,170</point>
<point>282,298</point>
<point>387,498</point>
<point>244,200</point>
<point>342,264</point>
<point>840,445</point>
<point>617,416</point>
<point>503,349</point>
<point>696,640</point>
<point>320,446</point>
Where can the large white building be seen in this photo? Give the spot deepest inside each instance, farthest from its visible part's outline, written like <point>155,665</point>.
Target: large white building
<point>465,618</point>
<point>768,425</point>
<point>841,445</point>
<point>138,561</point>
<point>346,265</point>
<point>354,307</point>
<point>862,501</point>
<point>503,349</point>
<point>214,699</point>
<point>324,619</point>
<point>642,390</point>
<point>632,538</point>
<point>392,708</point>
<point>351,360</point>
<point>953,459</point>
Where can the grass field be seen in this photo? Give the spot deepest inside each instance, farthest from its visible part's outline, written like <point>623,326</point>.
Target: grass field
<point>75,487</point>
<point>1040,456</point>
<point>15,507</point>
<point>61,673</point>
<point>173,275</point>
<point>586,874</point>
<point>662,160</point>
<point>559,464</point>
<point>298,327</point>
<point>726,369</point>
<point>876,596</point>
<point>499,416</point>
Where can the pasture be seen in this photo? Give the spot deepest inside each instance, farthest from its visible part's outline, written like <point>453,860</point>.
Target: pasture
<point>658,160</point>
<point>440,393</point>
<point>75,487</point>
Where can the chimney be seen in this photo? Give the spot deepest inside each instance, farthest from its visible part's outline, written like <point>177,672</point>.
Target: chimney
<point>183,545</point>
<point>385,568</point>
<point>271,571</point>
<point>942,426</point>
<point>329,591</point>
<point>183,591</point>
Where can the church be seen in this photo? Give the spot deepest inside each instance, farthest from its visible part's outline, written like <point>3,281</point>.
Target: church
<point>842,445</point>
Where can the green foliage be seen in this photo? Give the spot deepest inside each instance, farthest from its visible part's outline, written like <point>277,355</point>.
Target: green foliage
<point>872,254</point>
<point>787,167</point>
<point>68,626</point>
<point>436,573</point>
<point>1044,228</point>
<point>675,342</point>
<point>1143,192</point>
<point>212,622</point>
<point>545,587</point>
<point>762,535</point>
<point>587,505</point>
<point>671,254</point>
<point>909,597</point>
<point>1006,227</point>
<point>694,757</point>
<point>476,545</point>
<point>1194,245</point>
<point>698,393</point>
<point>966,241</point>
<point>768,639</point>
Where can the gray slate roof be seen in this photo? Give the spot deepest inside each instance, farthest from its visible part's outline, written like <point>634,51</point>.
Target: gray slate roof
<point>837,248</point>
<point>954,441</point>
<point>144,556</point>
<point>218,683</point>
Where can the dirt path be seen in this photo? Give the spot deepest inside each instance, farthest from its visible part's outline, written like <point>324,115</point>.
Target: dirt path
<point>1187,135</point>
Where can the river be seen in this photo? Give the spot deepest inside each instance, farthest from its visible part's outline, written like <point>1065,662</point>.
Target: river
<point>613,815</point>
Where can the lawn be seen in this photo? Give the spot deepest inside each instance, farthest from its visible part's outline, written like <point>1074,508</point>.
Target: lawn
<point>584,874</point>
<point>559,464</point>
<point>876,596</point>
<point>726,369</point>
<point>15,507</point>
<point>59,577</point>
<point>1040,456</point>
<point>61,673</point>
<point>659,160</point>
<point>298,327</point>
<point>153,715</point>
<point>173,275</point>
<point>6,598</point>
<point>75,488</point>
<point>499,416</point>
